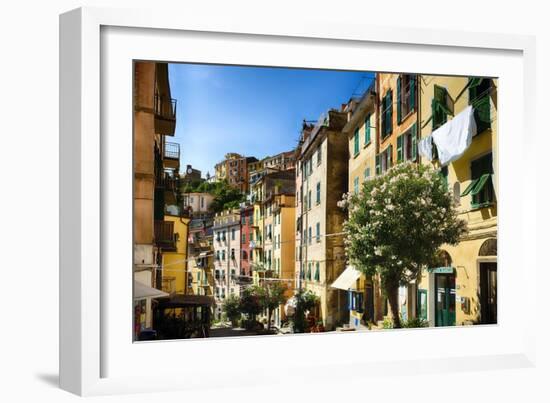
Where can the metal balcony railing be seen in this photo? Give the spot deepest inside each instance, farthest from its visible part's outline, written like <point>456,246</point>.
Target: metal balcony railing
<point>165,107</point>
<point>172,150</point>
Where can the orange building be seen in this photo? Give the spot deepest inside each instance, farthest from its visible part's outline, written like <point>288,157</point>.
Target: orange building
<point>397,128</point>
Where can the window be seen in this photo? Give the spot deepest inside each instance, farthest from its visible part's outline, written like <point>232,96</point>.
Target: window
<point>317,276</point>
<point>356,143</point>
<point>309,199</point>
<point>479,91</point>
<point>406,85</point>
<point>309,235</point>
<point>367,130</point>
<point>481,186</point>
<point>232,253</point>
<point>243,238</point>
<point>305,236</point>
<point>386,114</point>
<point>366,174</point>
<point>244,255</point>
<point>318,193</point>
<point>318,232</point>
<point>279,241</point>
<point>217,255</point>
<point>441,106</point>
<point>202,202</point>
<point>223,235</point>
<point>319,155</point>
<point>223,254</point>
<point>232,234</point>
<point>384,160</point>
<point>243,220</point>
<point>308,275</point>
<point>407,148</point>
<point>356,185</point>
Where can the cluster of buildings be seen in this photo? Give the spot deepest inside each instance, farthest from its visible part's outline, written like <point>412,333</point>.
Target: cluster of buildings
<point>290,229</point>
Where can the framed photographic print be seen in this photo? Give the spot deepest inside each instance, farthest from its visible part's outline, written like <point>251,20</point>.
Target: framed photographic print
<point>236,191</point>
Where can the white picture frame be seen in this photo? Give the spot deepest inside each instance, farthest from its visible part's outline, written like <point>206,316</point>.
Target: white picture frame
<point>95,358</point>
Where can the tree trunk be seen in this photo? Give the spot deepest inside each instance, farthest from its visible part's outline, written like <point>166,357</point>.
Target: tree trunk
<point>393,299</point>
<point>268,319</point>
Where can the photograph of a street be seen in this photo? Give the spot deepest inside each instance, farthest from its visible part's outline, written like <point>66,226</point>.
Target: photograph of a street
<point>276,201</point>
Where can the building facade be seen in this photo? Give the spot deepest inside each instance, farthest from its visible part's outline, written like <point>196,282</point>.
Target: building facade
<point>227,246</point>
<point>197,203</point>
<point>322,180</point>
<point>397,141</point>
<point>234,170</point>
<point>463,289</point>
<point>156,166</point>
<point>364,295</point>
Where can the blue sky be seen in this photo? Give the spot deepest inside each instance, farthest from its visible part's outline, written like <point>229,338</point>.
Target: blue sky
<point>255,111</point>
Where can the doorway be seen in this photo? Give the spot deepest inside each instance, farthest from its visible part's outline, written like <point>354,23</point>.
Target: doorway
<point>445,299</point>
<point>488,292</point>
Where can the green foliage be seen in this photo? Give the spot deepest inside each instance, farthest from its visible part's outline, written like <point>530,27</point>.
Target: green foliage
<point>304,301</point>
<point>387,323</point>
<point>272,295</point>
<point>398,222</point>
<point>225,196</point>
<point>415,322</point>
<point>231,309</point>
<point>250,304</point>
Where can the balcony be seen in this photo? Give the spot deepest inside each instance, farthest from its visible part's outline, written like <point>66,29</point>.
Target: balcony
<point>165,115</point>
<point>171,155</point>
<point>164,235</point>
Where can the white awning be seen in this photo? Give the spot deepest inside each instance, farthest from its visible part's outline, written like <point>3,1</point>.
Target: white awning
<point>203,254</point>
<point>347,279</point>
<point>142,291</point>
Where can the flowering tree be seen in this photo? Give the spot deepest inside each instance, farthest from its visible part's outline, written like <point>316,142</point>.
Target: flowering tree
<point>396,224</point>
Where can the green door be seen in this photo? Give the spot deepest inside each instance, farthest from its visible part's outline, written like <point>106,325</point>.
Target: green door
<point>445,300</point>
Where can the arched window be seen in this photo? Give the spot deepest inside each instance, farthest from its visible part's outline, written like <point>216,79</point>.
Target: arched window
<point>444,258</point>
<point>488,248</point>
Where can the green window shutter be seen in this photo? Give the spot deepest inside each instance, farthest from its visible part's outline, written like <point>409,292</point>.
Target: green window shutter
<point>377,164</point>
<point>399,99</point>
<point>367,130</point>
<point>469,188</point>
<point>389,156</point>
<point>356,142</point>
<point>434,114</point>
<point>474,82</point>
<point>317,272</point>
<point>390,112</point>
<point>414,141</point>
<point>480,183</point>
<point>400,148</point>
<point>412,93</point>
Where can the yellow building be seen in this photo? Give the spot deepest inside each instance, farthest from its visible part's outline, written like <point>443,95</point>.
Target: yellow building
<point>463,289</point>
<point>364,297</point>
<point>174,260</point>
<point>280,246</point>
<point>321,180</point>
